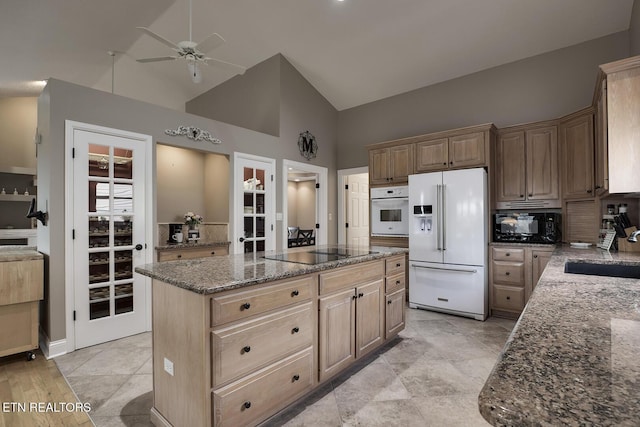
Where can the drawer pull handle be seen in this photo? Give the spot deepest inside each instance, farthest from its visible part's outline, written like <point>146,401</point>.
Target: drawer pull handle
<point>245,306</point>
<point>295,378</point>
<point>535,256</point>
<point>246,405</point>
<point>179,256</point>
<point>354,296</point>
<point>295,293</point>
<point>397,282</point>
<point>389,302</point>
<point>507,273</point>
<point>213,252</point>
<point>398,265</point>
<point>508,254</point>
<point>295,330</point>
<point>360,295</point>
<point>508,298</point>
<point>246,349</point>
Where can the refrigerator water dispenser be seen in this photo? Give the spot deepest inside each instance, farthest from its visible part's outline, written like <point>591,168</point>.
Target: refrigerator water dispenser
<point>424,219</point>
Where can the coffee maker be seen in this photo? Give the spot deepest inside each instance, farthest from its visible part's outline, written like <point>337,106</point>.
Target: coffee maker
<point>173,230</point>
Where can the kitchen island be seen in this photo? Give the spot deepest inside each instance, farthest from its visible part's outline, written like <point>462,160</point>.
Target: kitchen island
<point>238,338</point>
<point>572,358</point>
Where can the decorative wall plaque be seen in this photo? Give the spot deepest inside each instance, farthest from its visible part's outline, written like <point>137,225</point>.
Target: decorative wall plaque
<point>194,133</point>
<point>307,145</point>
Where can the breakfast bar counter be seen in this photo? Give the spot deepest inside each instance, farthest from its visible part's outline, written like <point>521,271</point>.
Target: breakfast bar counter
<point>572,358</point>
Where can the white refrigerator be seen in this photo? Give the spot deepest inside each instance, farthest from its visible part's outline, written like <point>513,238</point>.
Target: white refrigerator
<point>448,243</point>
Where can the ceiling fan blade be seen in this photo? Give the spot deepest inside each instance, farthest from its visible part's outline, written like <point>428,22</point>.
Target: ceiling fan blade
<point>229,65</point>
<point>159,38</point>
<point>210,43</point>
<point>160,58</point>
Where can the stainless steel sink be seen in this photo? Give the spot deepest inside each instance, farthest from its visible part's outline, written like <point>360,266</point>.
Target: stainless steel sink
<point>609,270</point>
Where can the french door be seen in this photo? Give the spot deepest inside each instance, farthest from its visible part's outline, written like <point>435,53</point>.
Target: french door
<point>254,190</point>
<point>109,237</point>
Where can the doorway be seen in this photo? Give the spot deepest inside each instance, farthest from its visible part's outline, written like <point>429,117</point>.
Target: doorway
<point>353,206</point>
<point>304,204</point>
<point>109,201</point>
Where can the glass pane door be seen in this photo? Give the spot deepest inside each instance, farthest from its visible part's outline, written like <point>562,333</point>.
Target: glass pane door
<point>253,215</point>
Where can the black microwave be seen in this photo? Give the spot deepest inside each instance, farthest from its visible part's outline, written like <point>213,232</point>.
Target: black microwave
<point>519,227</point>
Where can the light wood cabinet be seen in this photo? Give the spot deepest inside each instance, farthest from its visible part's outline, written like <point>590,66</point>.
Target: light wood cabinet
<point>514,271</point>
<point>21,289</point>
<point>527,168</point>
<point>458,151</point>
<point>577,155</point>
<point>601,152</point>
<point>390,165</point>
<point>619,133</point>
<point>250,352</point>
<point>185,252</point>
<point>351,320</point>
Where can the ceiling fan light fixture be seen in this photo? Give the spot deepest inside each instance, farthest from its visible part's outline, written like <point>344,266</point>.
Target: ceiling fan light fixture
<point>194,70</point>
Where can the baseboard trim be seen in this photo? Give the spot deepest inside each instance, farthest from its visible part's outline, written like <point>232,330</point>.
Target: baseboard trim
<point>51,349</point>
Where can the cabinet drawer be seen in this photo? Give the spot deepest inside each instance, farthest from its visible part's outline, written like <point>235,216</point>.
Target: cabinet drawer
<point>252,399</point>
<point>347,277</point>
<point>241,305</point>
<point>176,254</point>
<point>508,273</point>
<point>508,254</point>
<point>394,283</point>
<point>395,265</point>
<point>21,281</point>
<point>238,349</point>
<point>508,298</point>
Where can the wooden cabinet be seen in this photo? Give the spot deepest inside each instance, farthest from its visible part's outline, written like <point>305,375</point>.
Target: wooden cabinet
<point>457,151</point>
<point>390,165</point>
<point>395,295</point>
<point>351,320</point>
<point>527,168</point>
<point>514,272</point>
<point>576,136</point>
<point>21,289</point>
<point>619,131</point>
<point>601,152</point>
<point>190,252</point>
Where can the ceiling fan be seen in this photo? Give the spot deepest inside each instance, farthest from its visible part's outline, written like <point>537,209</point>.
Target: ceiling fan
<point>193,53</point>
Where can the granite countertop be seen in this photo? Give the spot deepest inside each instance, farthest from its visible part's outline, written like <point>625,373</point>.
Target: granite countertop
<point>18,253</point>
<point>572,358</point>
<point>188,245</point>
<point>220,273</point>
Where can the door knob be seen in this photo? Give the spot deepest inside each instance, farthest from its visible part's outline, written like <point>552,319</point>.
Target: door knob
<point>241,239</point>
<point>138,247</point>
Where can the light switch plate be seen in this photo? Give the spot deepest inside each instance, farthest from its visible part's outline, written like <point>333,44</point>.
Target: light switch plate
<point>168,366</point>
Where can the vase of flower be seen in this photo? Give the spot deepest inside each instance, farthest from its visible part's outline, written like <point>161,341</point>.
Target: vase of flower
<point>193,220</point>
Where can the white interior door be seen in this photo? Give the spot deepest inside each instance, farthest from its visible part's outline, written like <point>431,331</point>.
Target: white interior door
<point>109,237</point>
<point>358,209</point>
<point>254,207</point>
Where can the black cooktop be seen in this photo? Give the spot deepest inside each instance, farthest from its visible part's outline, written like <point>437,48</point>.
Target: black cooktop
<point>318,256</point>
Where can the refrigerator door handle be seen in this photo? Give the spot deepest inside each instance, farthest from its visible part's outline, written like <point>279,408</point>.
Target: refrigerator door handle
<point>439,216</point>
<point>462,270</point>
<point>443,194</point>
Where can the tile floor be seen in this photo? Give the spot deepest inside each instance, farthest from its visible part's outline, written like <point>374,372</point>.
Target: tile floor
<point>429,376</point>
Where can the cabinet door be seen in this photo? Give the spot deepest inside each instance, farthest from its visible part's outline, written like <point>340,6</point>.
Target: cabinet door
<point>379,166</point>
<point>432,155</point>
<point>542,164</point>
<point>394,313</point>
<point>601,141</point>
<point>467,150</point>
<point>510,172</point>
<point>577,136</point>
<point>337,333</point>
<point>401,163</point>
<point>539,260</point>
<point>369,316</point>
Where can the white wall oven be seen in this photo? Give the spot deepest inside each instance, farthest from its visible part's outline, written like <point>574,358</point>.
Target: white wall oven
<point>390,211</point>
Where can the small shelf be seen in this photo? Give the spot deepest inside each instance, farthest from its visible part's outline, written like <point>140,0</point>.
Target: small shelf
<point>16,197</point>
<point>18,170</point>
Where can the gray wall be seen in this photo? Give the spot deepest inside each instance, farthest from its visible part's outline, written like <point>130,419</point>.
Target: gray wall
<point>634,30</point>
<point>542,87</point>
<point>62,101</point>
<point>251,100</point>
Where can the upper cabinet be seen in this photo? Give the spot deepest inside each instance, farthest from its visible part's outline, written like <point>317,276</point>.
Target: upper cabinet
<point>576,136</point>
<point>526,168</point>
<point>391,162</point>
<point>391,165</point>
<point>618,138</point>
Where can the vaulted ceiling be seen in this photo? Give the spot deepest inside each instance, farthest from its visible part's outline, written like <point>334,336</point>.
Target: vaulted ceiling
<point>352,51</point>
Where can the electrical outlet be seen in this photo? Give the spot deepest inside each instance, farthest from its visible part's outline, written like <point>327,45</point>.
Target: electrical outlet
<point>168,366</point>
